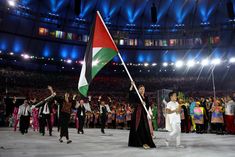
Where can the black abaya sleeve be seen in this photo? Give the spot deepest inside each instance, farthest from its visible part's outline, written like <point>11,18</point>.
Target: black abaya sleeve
<point>133,98</point>
<point>146,100</point>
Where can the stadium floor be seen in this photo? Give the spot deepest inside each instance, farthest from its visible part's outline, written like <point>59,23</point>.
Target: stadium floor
<point>113,143</point>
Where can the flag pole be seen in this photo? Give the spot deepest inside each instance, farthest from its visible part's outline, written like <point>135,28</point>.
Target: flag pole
<point>143,103</point>
<point>213,82</point>
<point>123,63</point>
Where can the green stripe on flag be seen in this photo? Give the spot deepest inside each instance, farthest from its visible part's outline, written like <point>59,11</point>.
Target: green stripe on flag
<point>103,57</point>
<point>84,90</point>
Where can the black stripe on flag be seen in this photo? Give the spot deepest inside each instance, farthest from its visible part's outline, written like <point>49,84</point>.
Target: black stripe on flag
<point>88,55</point>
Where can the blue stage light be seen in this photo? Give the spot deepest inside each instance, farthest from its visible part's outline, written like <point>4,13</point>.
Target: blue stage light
<point>17,47</point>
<point>140,58</point>
<point>64,53</point>
<point>3,45</point>
<point>74,54</point>
<point>46,52</point>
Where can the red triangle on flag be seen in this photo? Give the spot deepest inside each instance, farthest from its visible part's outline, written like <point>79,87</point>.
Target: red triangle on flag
<point>102,38</point>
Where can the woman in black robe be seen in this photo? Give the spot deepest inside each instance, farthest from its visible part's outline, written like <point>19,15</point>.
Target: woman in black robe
<point>139,130</point>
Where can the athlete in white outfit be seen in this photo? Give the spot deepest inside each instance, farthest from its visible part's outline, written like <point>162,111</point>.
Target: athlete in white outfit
<point>173,110</point>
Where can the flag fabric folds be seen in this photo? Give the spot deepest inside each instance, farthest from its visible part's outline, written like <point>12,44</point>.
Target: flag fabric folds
<point>100,50</point>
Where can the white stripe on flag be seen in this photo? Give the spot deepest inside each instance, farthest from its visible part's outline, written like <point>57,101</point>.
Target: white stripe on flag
<point>95,50</point>
<point>82,79</point>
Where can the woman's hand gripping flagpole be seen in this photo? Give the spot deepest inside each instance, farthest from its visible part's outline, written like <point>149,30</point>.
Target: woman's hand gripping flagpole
<point>143,103</point>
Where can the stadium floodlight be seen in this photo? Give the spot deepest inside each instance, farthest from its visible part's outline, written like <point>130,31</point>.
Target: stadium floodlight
<point>146,64</point>
<point>12,3</point>
<point>165,64</point>
<point>216,61</point>
<point>179,64</point>
<point>25,56</point>
<point>154,64</point>
<point>190,63</point>
<point>69,61</point>
<point>205,62</point>
<point>232,60</point>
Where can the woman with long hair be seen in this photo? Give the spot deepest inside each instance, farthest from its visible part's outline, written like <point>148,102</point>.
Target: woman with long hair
<point>140,135</point>
<point>65,117</point>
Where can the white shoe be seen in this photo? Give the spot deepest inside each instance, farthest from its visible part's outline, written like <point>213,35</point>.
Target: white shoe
<point>167,143</point>
<point>145,146</point>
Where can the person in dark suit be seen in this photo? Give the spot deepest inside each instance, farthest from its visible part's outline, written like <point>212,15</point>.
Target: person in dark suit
<point>103,112</point>
<point>45,111</point>
<point>81,114</point>
<point>103,115</point>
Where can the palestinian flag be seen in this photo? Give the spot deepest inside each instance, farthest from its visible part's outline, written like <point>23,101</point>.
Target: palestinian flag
<point>100,50</point>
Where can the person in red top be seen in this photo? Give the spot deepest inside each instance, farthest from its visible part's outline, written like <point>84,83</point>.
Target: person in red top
<point>229,115</point>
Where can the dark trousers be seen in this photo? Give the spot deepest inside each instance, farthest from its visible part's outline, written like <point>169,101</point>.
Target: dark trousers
<point>81,120</point>
<point>58,124</point>
<point>64,124</point>
<point>184,126</point>
<point>199,128</point>
<point>114,124</point>
<point>121,125</point>
<point>103,121</point>
<point>128,124</point>
<point>40,120</point>
<point>24,124</point>
<point>46,119</point>
<point>219,128</point>
<point>206,126</point>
